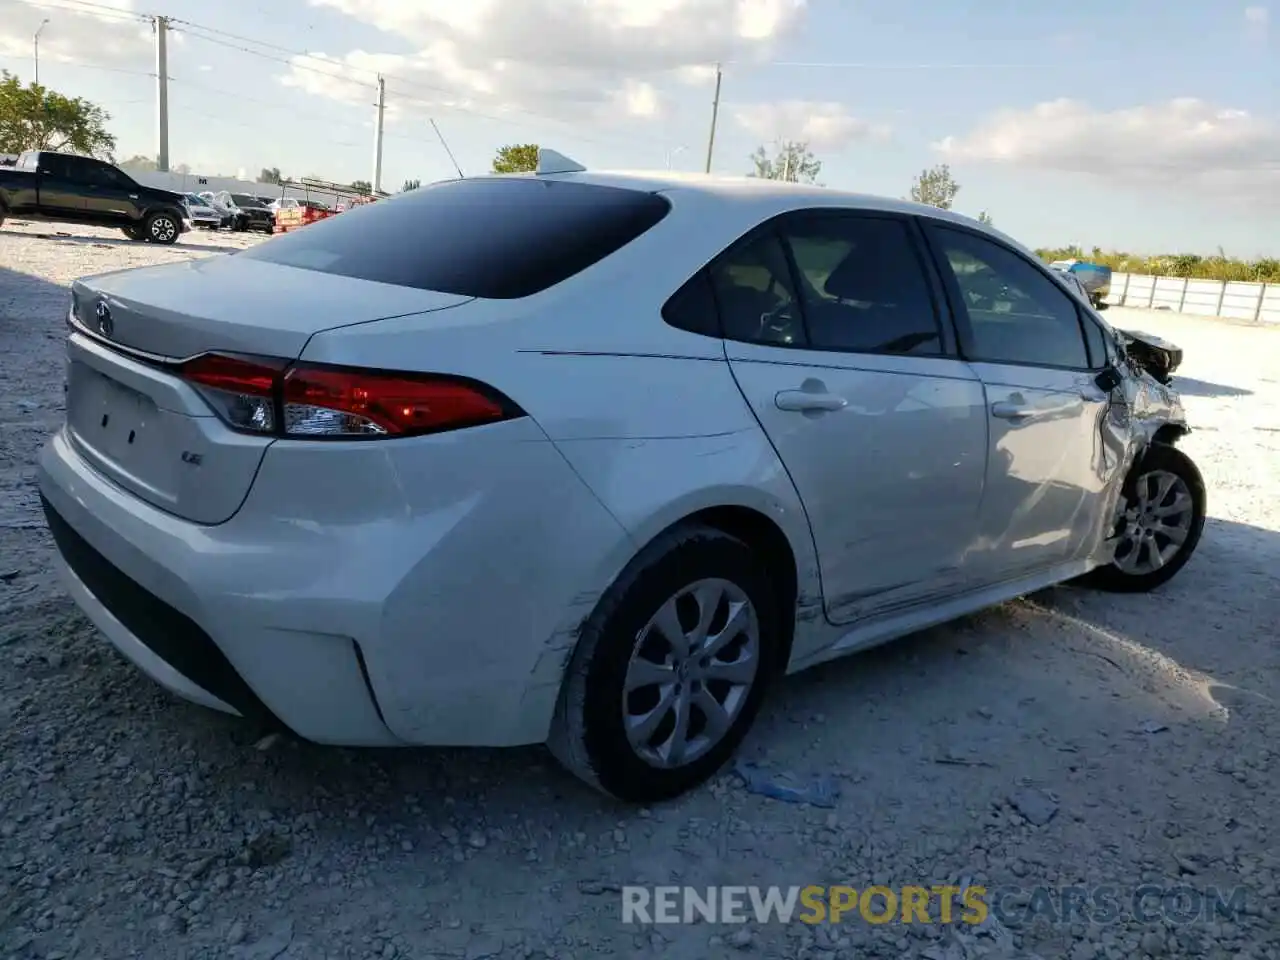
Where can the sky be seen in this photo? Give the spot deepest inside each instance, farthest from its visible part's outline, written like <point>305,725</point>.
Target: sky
<point>1152,127</point>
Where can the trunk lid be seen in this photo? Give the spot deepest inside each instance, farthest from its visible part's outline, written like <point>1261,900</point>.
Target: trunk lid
<point>142,426</point>
<point>234,304</point>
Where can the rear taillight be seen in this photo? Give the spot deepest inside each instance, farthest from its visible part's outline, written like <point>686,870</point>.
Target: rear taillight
<point>317,401</point>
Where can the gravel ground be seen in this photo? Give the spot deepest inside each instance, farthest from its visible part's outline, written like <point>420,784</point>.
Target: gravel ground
<point>1144,728</point>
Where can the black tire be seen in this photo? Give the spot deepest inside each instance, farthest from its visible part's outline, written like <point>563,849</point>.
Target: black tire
<point>588,735</point>
<point>1160,456</point>
<point>162,227</point>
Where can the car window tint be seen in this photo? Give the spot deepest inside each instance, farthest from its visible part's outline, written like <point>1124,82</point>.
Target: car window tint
<point>81,170</point>
<point>1097,342</point>
<point>755,296</point>
<point>693,307</point>
<point>496,238</point>
<point>863,287</point>
<point>1016,313</point>
<point>55,165</point>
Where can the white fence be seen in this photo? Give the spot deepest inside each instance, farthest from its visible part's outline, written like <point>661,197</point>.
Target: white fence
<point>1259,302</point>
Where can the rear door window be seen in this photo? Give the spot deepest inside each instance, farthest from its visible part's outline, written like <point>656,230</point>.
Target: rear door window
<point>499,238</point>
<point>863,286</point>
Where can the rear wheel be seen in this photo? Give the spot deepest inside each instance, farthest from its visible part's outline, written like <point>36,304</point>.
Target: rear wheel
<point>670,669</point>
<point>163,228</point>
<point>1160,527</point>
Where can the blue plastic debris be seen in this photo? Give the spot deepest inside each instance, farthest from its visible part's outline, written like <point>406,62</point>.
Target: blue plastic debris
<point>817,792</point>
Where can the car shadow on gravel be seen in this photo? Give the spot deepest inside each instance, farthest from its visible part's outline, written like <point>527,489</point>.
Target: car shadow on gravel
<point>1190,387</point>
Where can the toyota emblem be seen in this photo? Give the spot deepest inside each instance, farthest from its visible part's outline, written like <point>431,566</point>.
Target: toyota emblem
<point>103,313</point>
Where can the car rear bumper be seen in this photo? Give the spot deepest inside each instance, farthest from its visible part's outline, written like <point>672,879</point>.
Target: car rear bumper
<point>445,619</point>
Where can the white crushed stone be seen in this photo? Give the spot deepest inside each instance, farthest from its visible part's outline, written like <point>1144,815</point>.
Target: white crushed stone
<point>1143,728</point>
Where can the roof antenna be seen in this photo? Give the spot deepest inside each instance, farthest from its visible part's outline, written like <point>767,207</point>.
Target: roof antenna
<point>549,161</point>
<point>453,160</point>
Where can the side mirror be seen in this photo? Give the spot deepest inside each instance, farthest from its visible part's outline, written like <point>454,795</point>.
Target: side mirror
<point>1108,379</point>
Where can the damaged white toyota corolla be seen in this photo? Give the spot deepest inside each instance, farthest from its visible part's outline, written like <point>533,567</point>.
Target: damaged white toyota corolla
<point>592,459</point>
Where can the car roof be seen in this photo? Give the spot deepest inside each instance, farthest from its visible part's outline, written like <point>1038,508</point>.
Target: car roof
<point>755,196</point>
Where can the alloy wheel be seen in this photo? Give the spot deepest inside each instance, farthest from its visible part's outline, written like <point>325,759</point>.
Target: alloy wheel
<point>1155,524</point>
<point>690,673</point>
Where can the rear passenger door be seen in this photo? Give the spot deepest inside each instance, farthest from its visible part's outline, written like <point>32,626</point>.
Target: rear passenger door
<point>60,193</point>
<point>834,331</point>
<point>1025,336</point>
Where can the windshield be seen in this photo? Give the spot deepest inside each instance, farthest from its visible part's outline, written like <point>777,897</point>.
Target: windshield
<point>242,201</point>
<point>193,199</point>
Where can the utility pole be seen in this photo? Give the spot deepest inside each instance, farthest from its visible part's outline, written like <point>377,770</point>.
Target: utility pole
<point>377,135</point>
<point>161,25</point>
<point>35,50</point>
<point>715,113</point>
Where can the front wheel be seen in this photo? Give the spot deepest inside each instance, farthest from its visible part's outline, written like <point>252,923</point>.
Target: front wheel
<point>163,228</point>
<point>670,669</point>
<point>1160,526</point>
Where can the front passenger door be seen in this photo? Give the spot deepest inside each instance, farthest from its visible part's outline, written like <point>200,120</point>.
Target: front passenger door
<point>1047,468</point>
<point>834,332</point>
<point>111,198</point>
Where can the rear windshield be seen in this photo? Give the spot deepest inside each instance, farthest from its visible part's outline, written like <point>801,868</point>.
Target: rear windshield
<point>500,238</point>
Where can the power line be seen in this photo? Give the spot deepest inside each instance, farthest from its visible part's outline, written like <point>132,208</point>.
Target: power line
<point>85,7</point>
<point>198,32</point>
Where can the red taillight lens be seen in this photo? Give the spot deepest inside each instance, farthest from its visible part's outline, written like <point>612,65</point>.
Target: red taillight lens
<point>241,390</point>
<point>265,395</point>
<point>327,400</point>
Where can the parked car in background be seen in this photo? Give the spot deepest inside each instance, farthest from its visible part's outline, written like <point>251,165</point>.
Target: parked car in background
<point>297,203</point>
<point>1073,284</point>
<point>1094,277</point>
<point>247,212</point>
<point>407,488</point>
<point>67,188</point>
<point>201,214</point>
<point>226,218</point>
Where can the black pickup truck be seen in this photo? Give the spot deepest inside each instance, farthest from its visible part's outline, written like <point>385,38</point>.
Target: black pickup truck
<point>65,188</point>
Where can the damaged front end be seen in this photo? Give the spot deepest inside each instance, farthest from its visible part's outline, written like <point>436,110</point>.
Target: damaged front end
<point>1151,354</point>
<point>1145,409</point>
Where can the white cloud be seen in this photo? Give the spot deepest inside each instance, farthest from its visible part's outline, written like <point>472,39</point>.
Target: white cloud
<point>823,125</point>
<point>76,36</point>
<point>1184,141</point>
<point>588,59</point>
<point>1257,22</point>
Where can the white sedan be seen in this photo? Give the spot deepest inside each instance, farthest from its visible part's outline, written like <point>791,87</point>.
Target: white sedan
<point>592,459</point>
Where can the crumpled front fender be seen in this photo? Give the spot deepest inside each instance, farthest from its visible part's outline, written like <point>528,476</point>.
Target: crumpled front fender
<point>1143,411</point>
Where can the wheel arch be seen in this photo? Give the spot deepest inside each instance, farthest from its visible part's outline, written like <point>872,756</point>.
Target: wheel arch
<point>1170,433</point>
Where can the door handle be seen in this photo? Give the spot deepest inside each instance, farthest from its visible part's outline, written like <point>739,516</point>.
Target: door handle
<point>1009,410</point>
<point>806,401</point>
<point>1017,408</point>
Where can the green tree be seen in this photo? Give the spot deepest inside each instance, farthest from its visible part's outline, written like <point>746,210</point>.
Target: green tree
<point>936,187</point>
<point>793,162</point>
<point>37,118</point>
<point>516,158</point>
<point>270,175</point>
<point>985,217</point>
<point>361,186</point>
<point>410,185</point>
